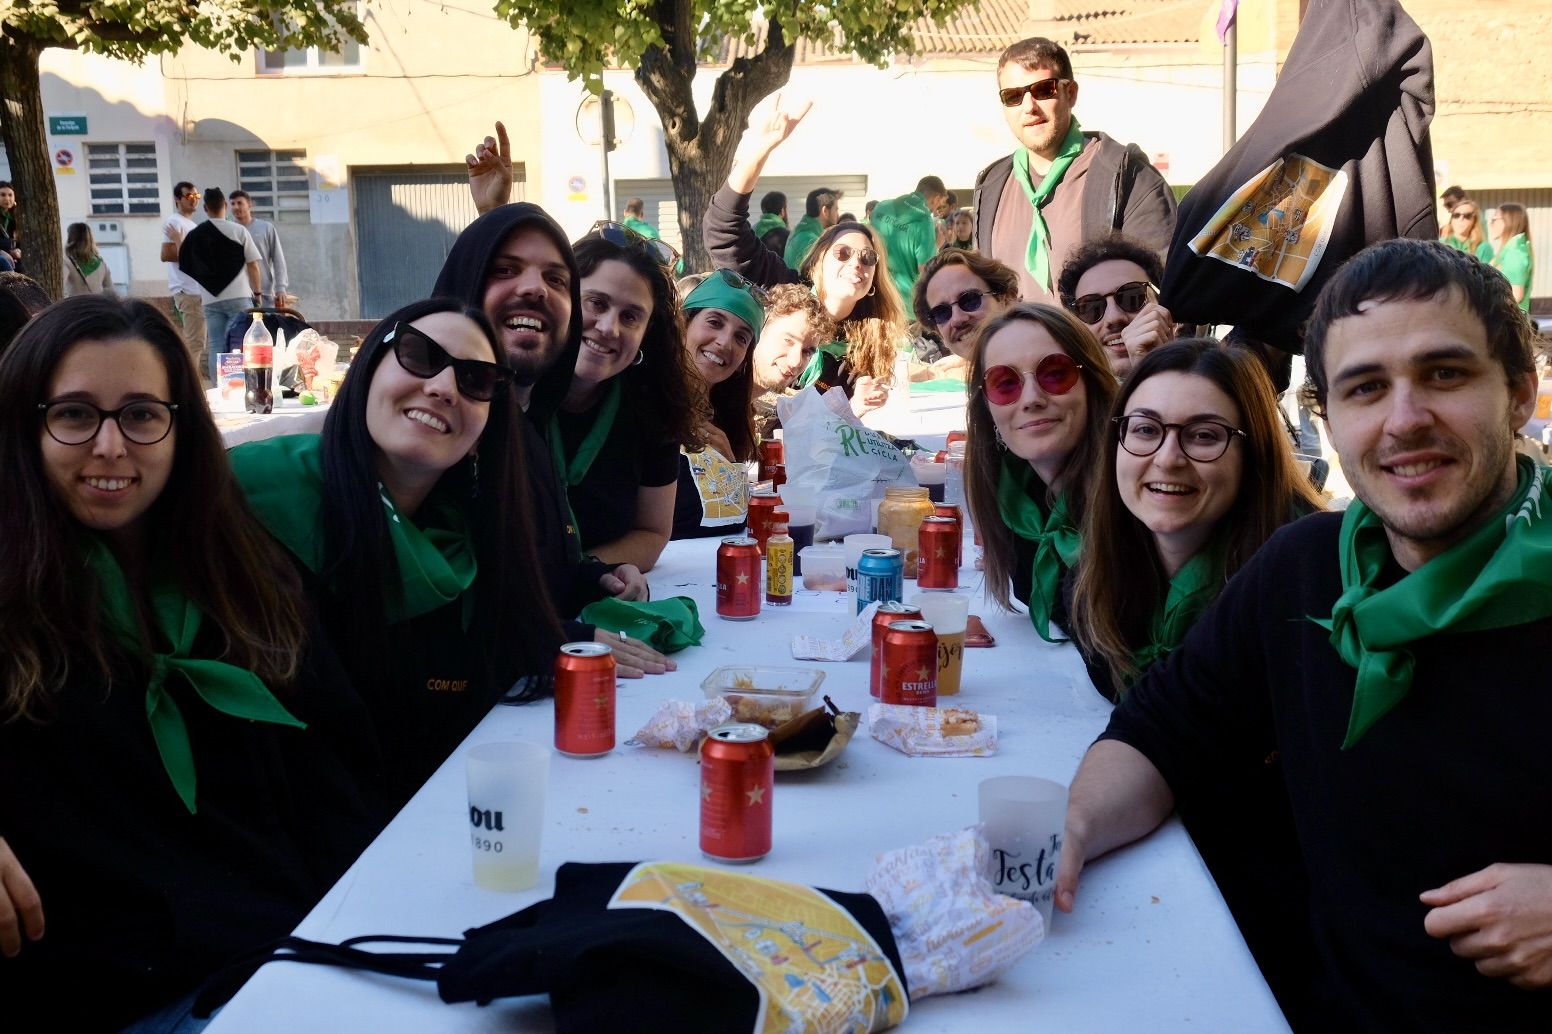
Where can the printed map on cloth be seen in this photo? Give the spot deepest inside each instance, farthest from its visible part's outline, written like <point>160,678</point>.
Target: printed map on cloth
<point>723,487</point>
<point>815,967</point>
<point>1278,224</point>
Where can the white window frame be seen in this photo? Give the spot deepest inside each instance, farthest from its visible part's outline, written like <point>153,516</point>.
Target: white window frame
<point>147,184</point>
<point>280,199</point>
<point>312,59</point>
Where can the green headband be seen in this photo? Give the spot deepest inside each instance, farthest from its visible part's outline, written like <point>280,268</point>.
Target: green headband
<point>716,293</point>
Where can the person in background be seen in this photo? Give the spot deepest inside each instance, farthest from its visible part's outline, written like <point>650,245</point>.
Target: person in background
<point>961,231</point>
<point>908,227</point>
<point>820,212</point>
<point>1040,393</point>
<point>867,211</point>
<point>188,303</point>
<point>772,228</point>
<point>85,271</point>
<point>10,229</point>
<point>636,219</point>
<point>222,259</point>
<point>1111,285</point>
<point>1449,201</point>
<point>1466,232</point>
<point>159,675</point>
<point>272,257</point>
<point>1512,254</point>
<point>959,290</point>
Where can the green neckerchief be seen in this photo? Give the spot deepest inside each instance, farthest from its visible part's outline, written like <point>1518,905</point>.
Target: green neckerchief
<point>768,222</point>
<point>1194,586</point>
<point>225,687</point>
<point>810,374</point>
<point>88,267</point>
<point>1037,255</point>
<point>1019,494</point>
<point>802,238</point>
<point>667,626</point>
<point>1498,576</point>
<point>283,480</point>
<point>574,471</point>
<point>641,226</point>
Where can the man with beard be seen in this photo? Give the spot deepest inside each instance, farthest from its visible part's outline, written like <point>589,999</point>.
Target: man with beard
<point>1111,285</point>
<point>1391,660</point>
<point>796,324</point>
<point>958,291</point>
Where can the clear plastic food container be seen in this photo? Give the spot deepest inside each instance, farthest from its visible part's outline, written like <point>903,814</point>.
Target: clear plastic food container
<point>824,567</point>
<point>764,694</point>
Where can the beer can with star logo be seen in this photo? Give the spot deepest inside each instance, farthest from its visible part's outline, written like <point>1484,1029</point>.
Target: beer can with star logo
<point>910,661</point>
<point>584,700</point>
<point>738,579</point>
<point>937,565</point>
<point>738,776</point>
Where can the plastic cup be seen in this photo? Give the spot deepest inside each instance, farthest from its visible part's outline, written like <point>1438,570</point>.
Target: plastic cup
<point>507,785</point>
<point>854,545</point>
<point>948,614</point>
<point>1022,819</point>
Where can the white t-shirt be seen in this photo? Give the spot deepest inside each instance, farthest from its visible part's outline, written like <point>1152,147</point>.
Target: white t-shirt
<point>239,287</point>
<point>177,282</point>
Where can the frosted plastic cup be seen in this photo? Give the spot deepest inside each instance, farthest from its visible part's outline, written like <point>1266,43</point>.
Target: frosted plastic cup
<point>1022,819</point>
<point>947,613</point>
<point>854,545</point>
<point>507,784</point>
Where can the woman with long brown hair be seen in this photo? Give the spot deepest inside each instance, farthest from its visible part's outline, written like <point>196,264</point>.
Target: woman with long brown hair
<point>1040,391</point>
<point>1465,230</point>
<point>168,727</point>
<point>1195,473</point>
<point>1512,253</point>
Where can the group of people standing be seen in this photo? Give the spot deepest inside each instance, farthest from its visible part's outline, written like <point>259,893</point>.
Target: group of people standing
<point>1500,237</point>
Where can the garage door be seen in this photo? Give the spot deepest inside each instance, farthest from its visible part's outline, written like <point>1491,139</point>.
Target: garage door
<point>663,210</point>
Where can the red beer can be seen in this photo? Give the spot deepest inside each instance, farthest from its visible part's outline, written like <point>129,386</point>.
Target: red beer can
<point>910,660</point>
<point>957,512</point>
<point>738,579</point>
<point>584,700</point>
<point>777,472</point>
<point>738,777</point>
<point>772,452</point>
<point>887,614</point>
<point>955,436</point>
<point>761,506</point>
<point>937,564</point>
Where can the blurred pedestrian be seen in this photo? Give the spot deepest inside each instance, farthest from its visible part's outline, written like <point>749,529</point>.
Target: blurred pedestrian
<point>85,271</point>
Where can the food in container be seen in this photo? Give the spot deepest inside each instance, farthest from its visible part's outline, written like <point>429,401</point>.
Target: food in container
<point>824,567</point>
<point>764,694</point>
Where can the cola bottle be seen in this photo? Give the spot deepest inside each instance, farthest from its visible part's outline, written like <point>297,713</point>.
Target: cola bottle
<point>258,367</point>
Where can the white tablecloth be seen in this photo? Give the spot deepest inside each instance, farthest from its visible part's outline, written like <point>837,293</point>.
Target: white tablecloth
<point>1151,946</point>
<point>289,417</point>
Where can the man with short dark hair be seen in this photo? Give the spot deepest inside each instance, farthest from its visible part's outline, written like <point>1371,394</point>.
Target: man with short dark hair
<point>187,304</point>
<point>272,258</point>
<point>1451,197</point>
<point>636,219</point>
<point>772,225</point>
<point>1112,286</point>
<point>908,227</point>
<point>1062,186</point>
<point>221,258</point>
<point>1390,661</point>
<point>820,212</point>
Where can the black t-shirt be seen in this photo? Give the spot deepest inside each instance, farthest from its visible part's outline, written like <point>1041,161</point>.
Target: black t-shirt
<point>1457,777</point>
<point>713,496</point>
<point>604,504</point>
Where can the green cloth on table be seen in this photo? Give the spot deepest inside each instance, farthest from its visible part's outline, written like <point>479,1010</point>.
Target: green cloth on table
<point>1037,254</point>
<point>667,626</point>
<point>1056,539</point>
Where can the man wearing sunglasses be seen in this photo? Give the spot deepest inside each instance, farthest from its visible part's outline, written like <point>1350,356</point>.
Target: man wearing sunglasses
<point>1111,286</point>
<point>908,225</point>
<point>1063,186</point>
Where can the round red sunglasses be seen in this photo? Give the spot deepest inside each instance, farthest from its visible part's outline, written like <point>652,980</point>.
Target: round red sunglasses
<point>1056,374</point>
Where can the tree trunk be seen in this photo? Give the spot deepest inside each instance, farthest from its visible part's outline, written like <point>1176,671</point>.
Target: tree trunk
<point>700,151</point>
<point>32,169</point>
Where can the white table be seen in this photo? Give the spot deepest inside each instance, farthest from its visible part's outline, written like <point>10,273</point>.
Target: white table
<point>1151,946</point>
<point>289,417</point>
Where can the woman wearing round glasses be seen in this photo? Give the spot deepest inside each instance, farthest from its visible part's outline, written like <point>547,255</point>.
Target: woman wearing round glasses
<point>1465,231</point>
<point>956,292</point>
<point>408,517</point>
<point>170,732</point>
<point>1036,415</point>
<point>1194,475</point>
<point>846,267</point>
<point>1109,285</point>
<point>634,400</point>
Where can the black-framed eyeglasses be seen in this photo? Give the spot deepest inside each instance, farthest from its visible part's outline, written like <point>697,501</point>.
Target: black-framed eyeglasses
<point>968,301</point>
<point>420,356</point>
<point>1201,440</point>
<point>735,279</point>
<point>1040,90</point>
<point>662,252</point>
<point>73,422</point>
<point>1130,298</point>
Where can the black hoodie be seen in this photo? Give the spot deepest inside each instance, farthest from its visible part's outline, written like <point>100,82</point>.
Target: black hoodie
<point>573,583</point>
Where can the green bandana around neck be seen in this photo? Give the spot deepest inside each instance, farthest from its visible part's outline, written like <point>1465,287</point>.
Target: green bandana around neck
<point>88,267</point>
<point>1193,588</point>
<point>716,293</point>
<point>667,626</point>
<point>1037,254</point>
<point>1497,577</point>
<point>574,471</point>
<point>283,480</point>
<point>835,349</point>
<point>225,687</point>
<point>768,222</point>
<point>1019,495</point>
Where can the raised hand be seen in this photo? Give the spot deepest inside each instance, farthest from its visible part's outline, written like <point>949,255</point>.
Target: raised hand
<point>490,171</point>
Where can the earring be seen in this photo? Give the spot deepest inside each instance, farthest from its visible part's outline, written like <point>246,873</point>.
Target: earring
<point>871,291</point>
<point>474,475</point>
<point>641,357</point>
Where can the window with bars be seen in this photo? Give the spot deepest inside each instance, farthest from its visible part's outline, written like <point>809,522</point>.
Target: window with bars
<point>122,179</point>
<point>277,182</point>
<point>313,60</point>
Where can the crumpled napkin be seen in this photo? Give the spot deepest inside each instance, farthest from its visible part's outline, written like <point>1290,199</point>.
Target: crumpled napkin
<point>681,723</point>
<point>857,635</point>
<point>918,731</point>
<point>953,931</point>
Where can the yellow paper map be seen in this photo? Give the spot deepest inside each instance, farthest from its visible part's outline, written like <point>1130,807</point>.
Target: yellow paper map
<point>723,487</point>
<point>1277,225</point>
<point>815,967</point>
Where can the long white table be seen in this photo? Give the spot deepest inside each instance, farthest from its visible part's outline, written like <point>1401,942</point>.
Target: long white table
<point>1151,946</point>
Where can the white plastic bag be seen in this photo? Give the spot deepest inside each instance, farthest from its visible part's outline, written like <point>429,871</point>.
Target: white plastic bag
<point>845,464</point>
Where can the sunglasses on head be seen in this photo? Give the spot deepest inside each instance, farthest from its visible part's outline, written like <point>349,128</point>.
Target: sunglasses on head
<point>968,301</point>
<point>420,356</point>
<point>1056,374</point>
<point>1130,298</point>
<point>867,256</point>
<point>618,233</point>
<point>743,283</point>
<point>1040,90</point>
